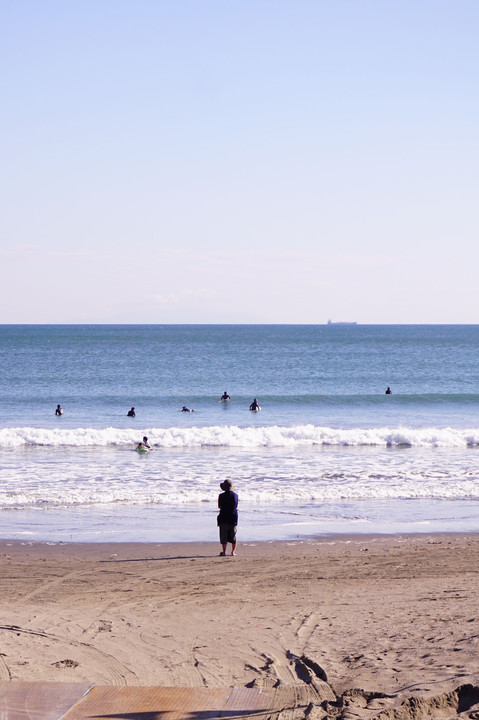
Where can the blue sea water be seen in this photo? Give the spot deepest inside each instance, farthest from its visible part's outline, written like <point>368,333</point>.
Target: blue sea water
<point>329,451</point>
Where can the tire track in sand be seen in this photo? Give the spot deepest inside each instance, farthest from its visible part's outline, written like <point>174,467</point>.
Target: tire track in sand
<point>116,673</point>
<point>5,673</point>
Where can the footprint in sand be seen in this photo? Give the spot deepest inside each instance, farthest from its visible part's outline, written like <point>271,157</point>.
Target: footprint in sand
<point>66,664</point>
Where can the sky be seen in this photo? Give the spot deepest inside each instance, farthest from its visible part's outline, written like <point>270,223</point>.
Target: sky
<point>255,161</point>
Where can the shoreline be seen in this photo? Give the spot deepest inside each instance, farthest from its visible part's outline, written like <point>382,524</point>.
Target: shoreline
<point>310,545</point>
<point>197,522</point>
<point>135,550</point>
<point>327,538</point>
<point>316,538</point>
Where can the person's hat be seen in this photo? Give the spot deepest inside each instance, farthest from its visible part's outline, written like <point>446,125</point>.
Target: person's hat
<point>226,485</point>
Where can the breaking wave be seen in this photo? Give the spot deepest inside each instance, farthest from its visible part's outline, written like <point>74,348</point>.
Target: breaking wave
<point>233,436</point>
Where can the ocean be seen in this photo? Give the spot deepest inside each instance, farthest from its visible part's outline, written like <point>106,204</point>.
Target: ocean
<point>329,452</point>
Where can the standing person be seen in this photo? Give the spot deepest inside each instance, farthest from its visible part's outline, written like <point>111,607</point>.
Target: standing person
<point>228,517</point>
<point>59,410</point>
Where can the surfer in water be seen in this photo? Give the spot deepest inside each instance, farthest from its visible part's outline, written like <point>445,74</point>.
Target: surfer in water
<point>144,444</point>
<point>185,409</point>
<point>388,391</point>
<point>59,410</point>
<point>254,405</point>
<point>131,413</point>
<point>225,397</point>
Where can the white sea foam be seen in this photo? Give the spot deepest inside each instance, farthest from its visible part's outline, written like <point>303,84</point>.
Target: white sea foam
<point>299,474</point>
<point>69,493</point>
<point>232,436</point>
<point>302,467</point>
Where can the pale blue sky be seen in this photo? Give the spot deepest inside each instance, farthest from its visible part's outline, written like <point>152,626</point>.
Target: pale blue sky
<point>247,161</point>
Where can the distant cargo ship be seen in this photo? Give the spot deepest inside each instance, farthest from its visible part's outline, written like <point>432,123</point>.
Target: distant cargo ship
<point>330,322</point>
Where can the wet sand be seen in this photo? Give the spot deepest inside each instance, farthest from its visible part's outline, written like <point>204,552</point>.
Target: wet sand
<point>393,616</point>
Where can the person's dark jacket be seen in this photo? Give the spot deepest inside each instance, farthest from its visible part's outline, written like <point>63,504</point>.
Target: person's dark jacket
<point>228,505</point>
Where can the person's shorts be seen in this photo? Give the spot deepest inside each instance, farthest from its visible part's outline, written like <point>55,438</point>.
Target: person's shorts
<point>227,534</point>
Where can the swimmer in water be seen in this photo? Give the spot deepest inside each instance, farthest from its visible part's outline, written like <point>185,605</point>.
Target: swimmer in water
<point>59,410</point>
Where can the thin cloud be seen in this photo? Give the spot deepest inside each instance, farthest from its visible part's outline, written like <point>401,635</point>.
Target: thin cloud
<point>68,254</point>
<point>253,259</point>
<point>175,298</point>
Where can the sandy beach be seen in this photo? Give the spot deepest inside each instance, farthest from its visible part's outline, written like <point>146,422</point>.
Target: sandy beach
<point>394,617</point>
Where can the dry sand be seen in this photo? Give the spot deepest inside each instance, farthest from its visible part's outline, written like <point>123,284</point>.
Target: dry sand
<point>396,617</point>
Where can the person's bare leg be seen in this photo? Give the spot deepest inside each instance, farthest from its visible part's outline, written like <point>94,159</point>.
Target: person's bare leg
<point>233,548</point>
<point>223,545</point>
